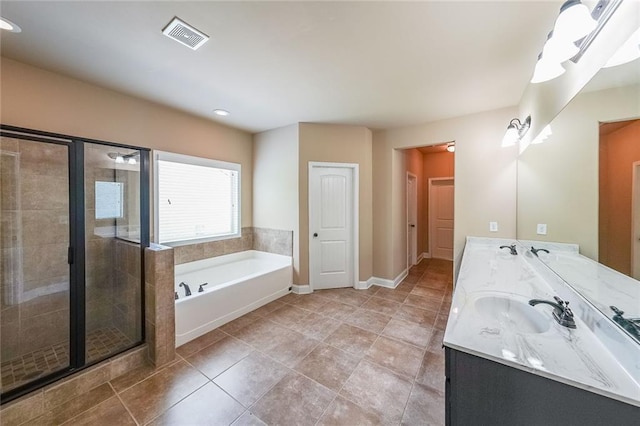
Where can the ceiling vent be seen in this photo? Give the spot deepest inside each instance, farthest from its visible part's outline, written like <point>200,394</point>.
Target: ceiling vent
<point>185,34</point>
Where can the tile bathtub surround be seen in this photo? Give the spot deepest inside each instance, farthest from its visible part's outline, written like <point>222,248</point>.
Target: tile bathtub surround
<point>274,366</point>
<point>159,304</point>
<point>273,241</point>
<point>268,240</point>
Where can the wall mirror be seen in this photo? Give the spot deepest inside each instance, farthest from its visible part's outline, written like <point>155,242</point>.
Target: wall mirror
<point>583,185</point>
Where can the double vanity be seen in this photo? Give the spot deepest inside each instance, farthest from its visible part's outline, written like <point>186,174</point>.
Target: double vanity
<point>523,347</point>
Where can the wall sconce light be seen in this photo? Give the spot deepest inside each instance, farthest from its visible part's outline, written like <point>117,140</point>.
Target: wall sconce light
<point>451,147</point>
<point>515,131</point>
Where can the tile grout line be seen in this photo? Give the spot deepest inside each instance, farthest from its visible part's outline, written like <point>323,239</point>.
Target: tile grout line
<point>124,405</point>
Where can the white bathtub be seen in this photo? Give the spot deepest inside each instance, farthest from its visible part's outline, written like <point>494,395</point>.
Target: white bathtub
<point>237,283</point>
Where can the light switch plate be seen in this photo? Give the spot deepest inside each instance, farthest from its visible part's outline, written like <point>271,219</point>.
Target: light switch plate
<point>493,226</point>
<point>541,229</point>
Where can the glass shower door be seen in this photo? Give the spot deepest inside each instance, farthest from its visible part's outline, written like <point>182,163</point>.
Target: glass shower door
<point>34,287</point>
<point>113,254</point>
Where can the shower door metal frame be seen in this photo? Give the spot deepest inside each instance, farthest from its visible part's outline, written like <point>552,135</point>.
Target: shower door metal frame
<point>77,245</point>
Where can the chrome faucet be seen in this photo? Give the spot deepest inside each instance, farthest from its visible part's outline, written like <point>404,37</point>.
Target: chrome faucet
<point>535,250</point>
<point>631,325</point>
<point>201,289</point>
<point>187,290</point>
<point>561,312</point>
<point>512,247</point>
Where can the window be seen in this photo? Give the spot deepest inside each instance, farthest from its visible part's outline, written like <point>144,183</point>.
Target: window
<point>109,200</point>
<point>195,198</point>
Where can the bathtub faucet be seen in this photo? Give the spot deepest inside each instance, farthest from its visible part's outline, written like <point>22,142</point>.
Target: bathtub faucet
<point>187,290</point>
<point>200,290</point>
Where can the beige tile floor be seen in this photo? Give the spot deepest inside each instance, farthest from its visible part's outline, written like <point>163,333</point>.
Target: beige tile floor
<point>334,357</point>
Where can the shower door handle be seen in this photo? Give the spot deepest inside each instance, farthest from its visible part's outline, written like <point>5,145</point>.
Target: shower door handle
<point>70,255</point>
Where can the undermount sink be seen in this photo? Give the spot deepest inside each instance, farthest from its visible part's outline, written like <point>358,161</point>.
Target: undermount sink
<point>512,313</point>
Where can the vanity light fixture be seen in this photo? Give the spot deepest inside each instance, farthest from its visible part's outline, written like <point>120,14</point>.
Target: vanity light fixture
<point>7,25</point>
<point>120,158</point>
<point>629,51</point>
<point>575,24</point>
<point>451,147</point>
<point>515,131</point>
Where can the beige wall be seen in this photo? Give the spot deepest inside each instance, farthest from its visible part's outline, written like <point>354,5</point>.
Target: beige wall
<point>485,183</point>
<point>436,165</point>
<point>276,185</point>
<point>43,100</point>
<point>618,151</point>
<point>558,179</point>
<point>340,144</point>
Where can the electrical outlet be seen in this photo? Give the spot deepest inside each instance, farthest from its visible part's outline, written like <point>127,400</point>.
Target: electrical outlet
<point>541,229</point>
<point>493,226</point>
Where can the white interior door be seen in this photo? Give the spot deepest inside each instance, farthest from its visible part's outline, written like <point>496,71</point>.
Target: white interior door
<point>331,227</point>
<point>412,219</point>
<point>441,197</point>
<point>635,221</point>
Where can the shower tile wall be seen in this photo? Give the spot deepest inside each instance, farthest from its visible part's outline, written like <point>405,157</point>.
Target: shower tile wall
<point>126,306</point>
<point>34,290</point>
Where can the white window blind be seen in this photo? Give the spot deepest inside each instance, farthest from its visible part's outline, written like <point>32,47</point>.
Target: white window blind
<point>196,198</point>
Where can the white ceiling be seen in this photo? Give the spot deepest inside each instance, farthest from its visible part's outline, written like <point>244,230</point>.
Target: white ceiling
<point>378,64</point>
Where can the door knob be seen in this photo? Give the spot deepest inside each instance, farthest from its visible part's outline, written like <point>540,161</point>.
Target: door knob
<point>412,225</point>
<point>315,234</point>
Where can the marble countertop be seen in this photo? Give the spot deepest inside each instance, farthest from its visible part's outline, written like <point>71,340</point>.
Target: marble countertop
<point>599,284</point>
<point>572,356</point>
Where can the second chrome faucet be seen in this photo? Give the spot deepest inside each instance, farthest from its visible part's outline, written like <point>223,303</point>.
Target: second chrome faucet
<point>561,312</point>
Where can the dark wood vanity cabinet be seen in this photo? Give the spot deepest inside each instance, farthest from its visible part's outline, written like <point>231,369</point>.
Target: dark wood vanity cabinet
<point>483,392</point>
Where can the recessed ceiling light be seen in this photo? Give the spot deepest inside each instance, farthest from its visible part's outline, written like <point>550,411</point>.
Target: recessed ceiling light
<point>6,24</point>
<point>221,112</point>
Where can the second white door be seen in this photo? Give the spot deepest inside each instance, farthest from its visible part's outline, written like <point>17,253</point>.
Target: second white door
<point>441,218</point>
<point>331,227</point>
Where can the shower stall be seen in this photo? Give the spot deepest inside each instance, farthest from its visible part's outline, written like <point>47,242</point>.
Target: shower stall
<point>74,225</point>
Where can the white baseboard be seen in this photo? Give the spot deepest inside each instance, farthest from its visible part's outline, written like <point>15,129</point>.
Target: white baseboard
<point>363,285</point>
<point>420,258</point>
<point>426,255</point>
<point>301,289</point>
<point>383,282</point>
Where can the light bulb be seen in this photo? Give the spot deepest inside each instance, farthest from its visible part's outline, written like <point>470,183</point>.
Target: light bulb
<point>511,136</point>
<point>546,70</point>
<point>574,21</point>
<point>559,49</point>
<point>451,147</point>
<point>120,159</point>
<point>131,161</point>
